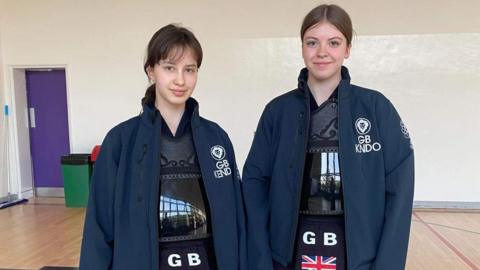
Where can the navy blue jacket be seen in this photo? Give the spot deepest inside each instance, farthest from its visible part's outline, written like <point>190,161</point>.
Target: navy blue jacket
<point>377,167</point>
<point>121,224</point>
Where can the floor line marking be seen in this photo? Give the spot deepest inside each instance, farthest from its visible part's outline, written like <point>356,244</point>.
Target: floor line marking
<point>448,244</point>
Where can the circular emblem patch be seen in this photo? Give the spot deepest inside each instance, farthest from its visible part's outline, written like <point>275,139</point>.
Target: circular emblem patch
<point>363,126</point>
<point>218,152</point>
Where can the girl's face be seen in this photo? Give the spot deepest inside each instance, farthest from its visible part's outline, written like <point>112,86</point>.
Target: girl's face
<point>324,49</point>
<point>174,79</point>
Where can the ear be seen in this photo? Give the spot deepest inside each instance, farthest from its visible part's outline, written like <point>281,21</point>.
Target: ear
<point>347,52</point>
<point>151,75</point>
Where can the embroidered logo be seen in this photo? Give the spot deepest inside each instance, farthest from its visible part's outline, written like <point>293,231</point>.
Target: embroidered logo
<point>365,143</point>
<point>404,130</point>
<point>363,126</point>
<point>218,152</point>
<point>223,167</point>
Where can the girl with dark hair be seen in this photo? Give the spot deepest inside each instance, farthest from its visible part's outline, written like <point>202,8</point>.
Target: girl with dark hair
<point>165,192</point>
<point>328,182</point>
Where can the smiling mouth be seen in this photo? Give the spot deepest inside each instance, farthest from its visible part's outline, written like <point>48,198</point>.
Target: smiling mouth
<point>322,65</point>
<point>178,92</point>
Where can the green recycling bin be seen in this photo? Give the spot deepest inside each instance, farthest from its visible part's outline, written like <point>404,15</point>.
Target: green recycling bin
<point>76,170</point>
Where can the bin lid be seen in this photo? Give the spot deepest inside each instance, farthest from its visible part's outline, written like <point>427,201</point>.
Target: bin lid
<point>76,159</point>
<point>95,152</point>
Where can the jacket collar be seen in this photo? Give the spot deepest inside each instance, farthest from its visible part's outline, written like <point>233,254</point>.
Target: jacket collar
<point>151,116</point>
<point>343,87</point>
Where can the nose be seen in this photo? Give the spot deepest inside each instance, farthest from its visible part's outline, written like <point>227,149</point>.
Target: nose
<point>322,50</point>
<point>179,79</point>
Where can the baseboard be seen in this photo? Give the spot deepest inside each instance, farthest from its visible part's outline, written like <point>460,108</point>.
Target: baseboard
<point>27,194</point>
<point>445,205</point>
<point>9,197</point>
<point>50,192</point>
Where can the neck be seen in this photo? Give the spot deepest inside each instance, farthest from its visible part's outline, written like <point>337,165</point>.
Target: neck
<point>323,89</point>
<point>172,114</point>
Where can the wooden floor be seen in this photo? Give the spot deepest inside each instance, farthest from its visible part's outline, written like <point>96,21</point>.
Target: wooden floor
<point>44,232</point>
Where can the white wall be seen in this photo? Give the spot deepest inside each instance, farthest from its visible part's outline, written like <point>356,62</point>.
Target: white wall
<point>20,161</point>
<point>434,81</point>
<point>252,53</point>
<point>3,130</point>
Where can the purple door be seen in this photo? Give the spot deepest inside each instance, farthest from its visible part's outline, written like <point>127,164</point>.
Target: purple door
<point>47,106</point>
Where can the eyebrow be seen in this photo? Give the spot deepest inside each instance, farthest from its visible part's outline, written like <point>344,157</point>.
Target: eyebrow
<point>166,62</point>
<point>328,39</point>
<point>173,63</point>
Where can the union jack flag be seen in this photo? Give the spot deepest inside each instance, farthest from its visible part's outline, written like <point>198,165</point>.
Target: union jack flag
<point>319,263</point>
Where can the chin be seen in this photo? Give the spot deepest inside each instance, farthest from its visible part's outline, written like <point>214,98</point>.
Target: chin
<point>321,75</point>
<point>178,100</point>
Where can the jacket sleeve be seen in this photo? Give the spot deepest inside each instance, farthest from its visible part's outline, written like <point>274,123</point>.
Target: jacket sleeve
<point>97,243</point>
<point>256,182</point>
<point>240,210</point>
<point>399,187</point>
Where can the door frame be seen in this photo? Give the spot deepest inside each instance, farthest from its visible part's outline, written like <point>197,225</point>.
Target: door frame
<point>24,186</point>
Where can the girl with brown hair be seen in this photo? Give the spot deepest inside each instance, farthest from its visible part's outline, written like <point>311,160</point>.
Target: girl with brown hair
<point>165,192</point>
<point>328,182</point>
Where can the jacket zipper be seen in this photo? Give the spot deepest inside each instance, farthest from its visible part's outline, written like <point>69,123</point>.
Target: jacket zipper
<point>204,184</point>
<point>296,217</point>
<point>156,184</point>
<point>342,179</point>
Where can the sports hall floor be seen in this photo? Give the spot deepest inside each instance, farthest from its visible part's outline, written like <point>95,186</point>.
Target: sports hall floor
<point>43,232</point>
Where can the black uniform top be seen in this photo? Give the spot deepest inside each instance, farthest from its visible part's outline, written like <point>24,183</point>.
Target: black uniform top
<point>184,124</point>
<point>313,103</point>
<point>321,189</point>
<point>183,204</point>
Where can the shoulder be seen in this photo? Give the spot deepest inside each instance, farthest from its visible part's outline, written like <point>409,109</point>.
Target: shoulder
<point>372,98</point>
<point>129,124</point>
<point>286,99</point>
<point>123,129</point>
<point>367,94</point>
<point>212,127</point>
<point>280,105</point>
